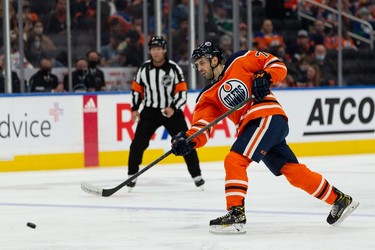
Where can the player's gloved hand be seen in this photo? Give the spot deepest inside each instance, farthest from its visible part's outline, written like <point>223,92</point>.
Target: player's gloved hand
<point>180,144</point>
<point>261,85</point>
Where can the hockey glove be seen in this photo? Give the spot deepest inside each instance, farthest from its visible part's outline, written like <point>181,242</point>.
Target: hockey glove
<point>261,85</point>
<point>180,145</point>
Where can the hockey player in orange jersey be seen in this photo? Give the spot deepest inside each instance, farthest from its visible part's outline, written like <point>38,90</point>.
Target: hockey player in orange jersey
<point>262,127</point>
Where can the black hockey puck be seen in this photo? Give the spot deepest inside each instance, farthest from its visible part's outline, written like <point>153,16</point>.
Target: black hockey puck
<point>31,225</point>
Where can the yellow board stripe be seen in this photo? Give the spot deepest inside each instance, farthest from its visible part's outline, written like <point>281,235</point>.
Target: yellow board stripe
<point>206,154</point>
<point>43,162</point>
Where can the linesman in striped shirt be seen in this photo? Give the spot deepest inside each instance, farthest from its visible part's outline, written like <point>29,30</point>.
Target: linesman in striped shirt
<point>160,86</point>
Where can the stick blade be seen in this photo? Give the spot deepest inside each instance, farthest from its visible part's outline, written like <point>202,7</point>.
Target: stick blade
<point>88,188</point>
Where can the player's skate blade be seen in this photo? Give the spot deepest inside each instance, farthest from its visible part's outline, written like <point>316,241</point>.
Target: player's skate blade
<point>343,206</point>
<point>236,228</point>
<point>346,212</point>
<point>231,223</point>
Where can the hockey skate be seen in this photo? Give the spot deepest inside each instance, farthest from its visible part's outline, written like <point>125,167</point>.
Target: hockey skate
<point>231,223</point>
<point>199,182</point>
<point>344,205</point>
<point>131,184</point>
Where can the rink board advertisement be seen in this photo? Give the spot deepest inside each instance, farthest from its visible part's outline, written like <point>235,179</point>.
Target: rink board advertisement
<point>90,130</point>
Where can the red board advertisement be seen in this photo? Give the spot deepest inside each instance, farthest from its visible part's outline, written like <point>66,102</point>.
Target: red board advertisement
<point>90,130</point>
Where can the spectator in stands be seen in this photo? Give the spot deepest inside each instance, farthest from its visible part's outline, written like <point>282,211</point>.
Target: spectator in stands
<point>16,83</point>
<point>26,10</point>
<point>110,53</point>
<point>303,65</point>
<point>107,8</point>
<point>302,47</point>
<point>46,43</point>
<point>292,73</point>
<point>55,22</point>
<point>331,41</point>
<point>266,37</point>
<point>114,28</point>
<point>15,55</point>
<point>212,31</point>
<point>313,76</point>
<point>83,13</point>
<point>309,9</point>
<point>94,80</point>
<point>121,15</point>
<point>28,18</point>
<point>179,10</point>
<point>78,76</point>
<point>359,28</point>
<point>13,21</point>
<point>325,14</point>
<point>41,7</point>
<point>327,68</point>
<point>225,43</point>
<point>137,25</point>
<point>290,7</point>
<point>222,18</point>
<point>243,37</point>
<point>44,80</point>
<point>34,51</point>
<point>133,53</point>
<point>180,40</point>
<point>318,33</point>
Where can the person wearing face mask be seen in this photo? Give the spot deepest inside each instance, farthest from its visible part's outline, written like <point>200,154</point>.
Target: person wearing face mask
<point>45,42</point>
<point>78,76</point>
<point>94,80</point>
<point>44,80</point>
<point>34,50</point>
<point>16,83</point>
<point>15,54</point>
<point>326,67</point>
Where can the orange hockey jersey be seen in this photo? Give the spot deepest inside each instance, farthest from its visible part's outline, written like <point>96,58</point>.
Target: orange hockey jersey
<point>234,86</point>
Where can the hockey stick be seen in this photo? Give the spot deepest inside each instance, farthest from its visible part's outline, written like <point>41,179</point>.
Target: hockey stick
<point>88,188</point>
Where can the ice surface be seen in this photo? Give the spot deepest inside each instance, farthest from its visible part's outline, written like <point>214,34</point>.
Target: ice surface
<point>167,211</point>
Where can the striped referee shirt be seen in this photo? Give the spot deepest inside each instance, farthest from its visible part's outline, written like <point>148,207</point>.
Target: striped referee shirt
<point>159,87</point>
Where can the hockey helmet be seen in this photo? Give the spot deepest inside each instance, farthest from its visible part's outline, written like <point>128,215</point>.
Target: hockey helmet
<point>207,49</point>
<point>157,41</point>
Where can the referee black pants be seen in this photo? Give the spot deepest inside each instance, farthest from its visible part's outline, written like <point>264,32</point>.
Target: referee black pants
<point>152,119</point>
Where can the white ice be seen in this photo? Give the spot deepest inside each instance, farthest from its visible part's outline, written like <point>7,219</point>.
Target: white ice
<point>167,211</point>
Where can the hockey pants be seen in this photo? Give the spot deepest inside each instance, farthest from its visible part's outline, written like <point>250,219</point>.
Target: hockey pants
<point>264,139</point>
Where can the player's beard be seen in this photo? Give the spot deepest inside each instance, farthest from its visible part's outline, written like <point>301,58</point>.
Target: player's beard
<point>208,74</point>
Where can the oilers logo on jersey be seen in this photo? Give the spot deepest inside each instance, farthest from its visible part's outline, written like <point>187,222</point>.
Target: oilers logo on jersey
<point>232,93</point>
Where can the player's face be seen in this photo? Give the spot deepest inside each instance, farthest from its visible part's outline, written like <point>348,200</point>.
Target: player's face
<point>157,54</point>
<point>204,67</point>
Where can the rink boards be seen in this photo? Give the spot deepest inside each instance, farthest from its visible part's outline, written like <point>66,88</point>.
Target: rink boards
<point>63,131</point>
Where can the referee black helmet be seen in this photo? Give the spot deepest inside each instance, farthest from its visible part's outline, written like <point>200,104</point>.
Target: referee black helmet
<point>157,41</point>
<point>208,50</point>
